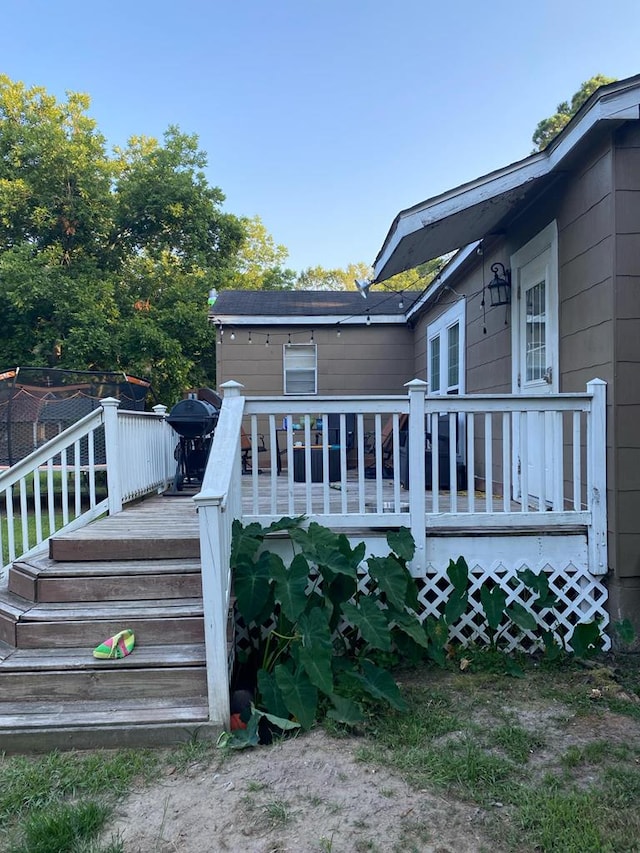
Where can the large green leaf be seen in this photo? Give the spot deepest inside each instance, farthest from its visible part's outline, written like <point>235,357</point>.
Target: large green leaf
<point>270,693</point>
<point>316,650</point>
<point>251,584</point>
<point>291,585</point>
<point>438,633</point>
<point>323,547</point>
<point>369,619</point>
<point>380,684</point>
<point>299,694</point>
<point>458,573</point>
<point>455,607</point>
<point>539,584</point>
<point>391,577</point>
<point>402,543</point>
<point>410,625</point>
<point>245,542</point>
<point>586,639</point>
<point>493,603</point>
<point>344,711</point>
<point>354,555</point>
<point>521,616</point>
<point>285,523</point>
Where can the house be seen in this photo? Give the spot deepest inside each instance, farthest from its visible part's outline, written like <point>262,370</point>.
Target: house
<point>314,342</point>
<point>564,226</point>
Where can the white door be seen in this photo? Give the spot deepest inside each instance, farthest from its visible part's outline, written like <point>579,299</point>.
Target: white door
<point>537,458</point>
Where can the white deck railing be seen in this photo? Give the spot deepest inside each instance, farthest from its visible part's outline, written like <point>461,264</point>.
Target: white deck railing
<point>57,487</point>
<point>381,441</point>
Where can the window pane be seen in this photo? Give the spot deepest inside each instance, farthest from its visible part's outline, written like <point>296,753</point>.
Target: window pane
<point>299,369</point>
<point>453,378</point>
<point>434,374</point>
<point>535,336</point>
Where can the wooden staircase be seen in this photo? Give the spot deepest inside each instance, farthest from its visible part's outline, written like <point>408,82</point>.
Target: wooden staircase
<point>139,569</point>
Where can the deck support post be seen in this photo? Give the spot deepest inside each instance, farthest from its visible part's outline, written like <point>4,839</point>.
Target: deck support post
<point>417,498</point>
<point>597,477</point>
<point>112,453</point>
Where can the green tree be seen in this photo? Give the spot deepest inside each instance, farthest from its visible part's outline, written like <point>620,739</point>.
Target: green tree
<point>106,259</point>
<point>260,260</point>
<point>549,128</point>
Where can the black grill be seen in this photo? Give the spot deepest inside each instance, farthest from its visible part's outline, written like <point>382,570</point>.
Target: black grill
<point>195,421</point>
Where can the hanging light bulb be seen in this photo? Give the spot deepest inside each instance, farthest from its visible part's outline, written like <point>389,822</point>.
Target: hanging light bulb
<point>250,341</point>
<point>266,343</point>
<point>401,302</point>
<point>311,338</point>
<point>338,332</point>
<point>289,340</point>
<point>368,319</point>
<point>233,336</point>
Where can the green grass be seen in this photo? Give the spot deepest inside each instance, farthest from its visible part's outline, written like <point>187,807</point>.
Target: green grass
<point>503,744</point>
<point>59,802</point>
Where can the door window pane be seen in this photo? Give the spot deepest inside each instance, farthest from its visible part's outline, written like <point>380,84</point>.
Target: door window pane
<point>535,333</point>
<point>434,358</point>
<point>453,347</point>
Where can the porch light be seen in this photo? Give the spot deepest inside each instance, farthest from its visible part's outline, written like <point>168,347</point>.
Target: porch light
<point>500,285</point>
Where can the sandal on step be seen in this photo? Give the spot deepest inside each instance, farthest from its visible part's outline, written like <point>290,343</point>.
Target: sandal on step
<point>118,646</point>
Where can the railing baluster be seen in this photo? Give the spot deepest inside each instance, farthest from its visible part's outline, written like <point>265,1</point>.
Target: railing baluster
<point>488,462</point>
<point>524,461</point>
<point>577,463</point>
<point>506,462</point>
<point>471,462</point>
<point>37,508</point>
<point>24,514</point>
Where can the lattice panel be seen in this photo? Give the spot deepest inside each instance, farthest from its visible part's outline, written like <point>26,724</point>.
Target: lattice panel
<point>581,598</point>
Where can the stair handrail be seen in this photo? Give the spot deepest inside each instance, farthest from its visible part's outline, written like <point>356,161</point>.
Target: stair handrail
<point>219,502</point>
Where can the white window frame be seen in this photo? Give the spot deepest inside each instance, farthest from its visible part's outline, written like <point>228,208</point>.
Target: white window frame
<point>439,329</point>
<point>288,352</point>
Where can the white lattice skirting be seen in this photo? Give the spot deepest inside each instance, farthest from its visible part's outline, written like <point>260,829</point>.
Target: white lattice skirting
<point>581,596</point>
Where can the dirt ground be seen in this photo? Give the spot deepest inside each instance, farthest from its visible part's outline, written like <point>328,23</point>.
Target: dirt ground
<point>304,794</point>
<point>310,793</point>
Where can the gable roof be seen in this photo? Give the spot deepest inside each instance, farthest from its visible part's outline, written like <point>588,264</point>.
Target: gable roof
<point>279,307</point>
<point>478,208</point>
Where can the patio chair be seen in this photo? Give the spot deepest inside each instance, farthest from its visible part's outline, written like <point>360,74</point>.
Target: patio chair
<point>247,450</point>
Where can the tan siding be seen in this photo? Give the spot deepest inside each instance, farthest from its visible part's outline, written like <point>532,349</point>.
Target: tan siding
<point>372,359</point>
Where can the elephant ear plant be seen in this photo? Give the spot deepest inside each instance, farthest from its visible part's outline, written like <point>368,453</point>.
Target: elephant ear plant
<point>324,634</point>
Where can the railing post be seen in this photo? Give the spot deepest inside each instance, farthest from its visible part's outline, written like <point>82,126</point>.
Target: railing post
<point>597,477</point>
<point>417,498</point>
<point>112,453</point>
<point>161,411</point>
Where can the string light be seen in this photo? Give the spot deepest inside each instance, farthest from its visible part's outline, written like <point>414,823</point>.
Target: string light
<point>266,343</point>
<point>250,341</point>
<point>311,340</point>
<point>233,336</point>
<point>289,340</point>
<point>338,332</point>
<point>368,320</point>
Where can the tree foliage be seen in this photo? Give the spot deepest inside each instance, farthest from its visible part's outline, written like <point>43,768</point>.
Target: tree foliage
<point>550,127</point>
<point>106,259</point>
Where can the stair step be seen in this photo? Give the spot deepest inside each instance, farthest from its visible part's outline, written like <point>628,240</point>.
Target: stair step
<point>140,532</point>
<point>106,683</point>
<point>46,580</point>
<point>66,659</point>
<point>43,726</point>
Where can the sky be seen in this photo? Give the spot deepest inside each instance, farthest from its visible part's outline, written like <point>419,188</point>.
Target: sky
<point>325,117</point>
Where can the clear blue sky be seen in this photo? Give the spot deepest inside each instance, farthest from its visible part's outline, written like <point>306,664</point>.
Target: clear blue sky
<point>325,117</point>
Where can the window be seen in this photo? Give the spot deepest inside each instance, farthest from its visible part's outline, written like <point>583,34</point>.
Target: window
<point>300,368</point>
<point>445,352</point>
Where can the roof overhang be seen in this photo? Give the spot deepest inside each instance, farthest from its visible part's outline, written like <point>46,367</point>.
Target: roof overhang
<point>309,321</point>
<point>482,207</point>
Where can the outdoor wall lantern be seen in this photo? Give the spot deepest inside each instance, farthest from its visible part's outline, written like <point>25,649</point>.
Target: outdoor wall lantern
<point>500,285</point>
